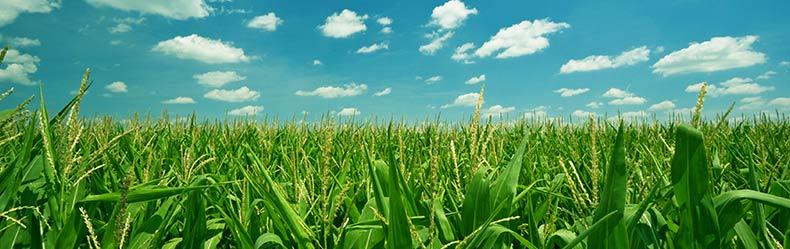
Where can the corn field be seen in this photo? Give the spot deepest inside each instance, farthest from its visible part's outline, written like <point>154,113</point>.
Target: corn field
<point>69,182</point>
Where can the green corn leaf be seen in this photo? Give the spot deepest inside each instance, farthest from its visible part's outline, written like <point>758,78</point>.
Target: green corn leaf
<point>691,182</point>
<point>612,233</point>
<point>398,235</point>
<point>143,194</point>
<point>194,221</point>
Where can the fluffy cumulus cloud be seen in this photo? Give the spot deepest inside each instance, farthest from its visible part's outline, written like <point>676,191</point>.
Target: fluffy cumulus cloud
<point>758,103</point>
<point>331,92</point>
<point>632,115</point>
<point>268,22</point>
<point>462,53</point>
<point>734,86</point>
<point>179,101</point>
<point>433,79</point>
<point>437,42</point>
<point>23,42</point>
<point>766,75</point>
<point>10,9</point>
<point>373,48</point>
<point>524,38</point>
<point>249,110</point>
<point>476,79</point>
<point>206,50</point>
<point>536,113</point>
<point>469,99</point>
<point>174,9</point>
<point>349,111</point>
<point>451,14</point>
<point>622,97</point>
<point>599,62</point>
<point>123,25</point>
<point>582,114</point>
<point>386,91</point>
<point>384,21</point>
<point>18,68</point>
<point>235,96</point>
<point>716,54</point>
<point>570,92</point>
<point>594,105</point>
<point>663,105</point>
<point>218,79</point>
<point>497,110</point>
<point>780,102</point>
<point>752,103</point>
<point>116,87</point>
<point>343,24</point>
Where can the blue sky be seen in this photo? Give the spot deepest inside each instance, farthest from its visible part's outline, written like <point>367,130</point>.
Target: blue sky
<point>282,58</point>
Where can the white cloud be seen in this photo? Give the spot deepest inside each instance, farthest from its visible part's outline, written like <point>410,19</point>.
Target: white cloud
<point>23,42</point>
<point>116,87</point>
<point>124,25</point>
<point>497,110</point>
<point>201,49</point>
<point>18,68</point>
<point>386,30</point>
<point>10,9</point>
<point>631,100</point>
<point>476,79</point>
<point>331,92</point>
<point>317,62</point>
<point>343,24</point>
<point>766,75</point>
<point>433,79</point>
<point>179,100</point>
<point>249,110</point>
<point>384,21</point>
<point>435,44</point>
<point>594,105</point>
<point>752,103</point>
<point>569,92</point>
<point>598,62</point>
<point>536,113</point>
<point>734,86</point>
<point>350,111</point>
<point>622,97</point>
<point>462,54</point>
<point>373,48</point>
<point>218,79</point>
<point>386,91</point>
<point>239,95</point>
<point>469,99</point>
<point>781,102</point>
<point>174,9</point>
<point>616,93</point>
<point>633,115</point>
<point>451,14</point>
<point>663,105</point>
<point>717,54</point>
<point>120,28</point>
<point>784,63</point>
<point>582,114</point>
<point>521,39</point>
<point>268,22</point>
